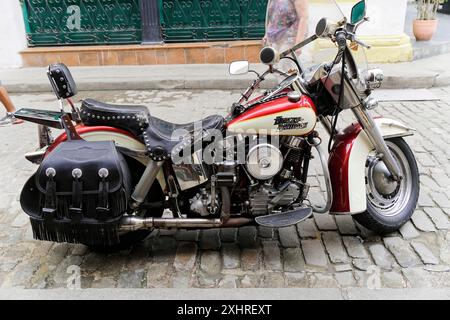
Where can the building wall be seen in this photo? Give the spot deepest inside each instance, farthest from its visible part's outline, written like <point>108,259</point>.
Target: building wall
<point>384,32</point>
<point>12,35</point>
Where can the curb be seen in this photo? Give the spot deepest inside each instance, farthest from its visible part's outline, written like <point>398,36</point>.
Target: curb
<point>416,82</point>
<point>204,77</point>
<point>390,82</point>
<point>422,52</point>
<point>194,84</point>
<point>442,80</point>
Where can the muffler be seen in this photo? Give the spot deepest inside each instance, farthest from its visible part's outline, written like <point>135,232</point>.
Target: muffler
<point>133,223</point>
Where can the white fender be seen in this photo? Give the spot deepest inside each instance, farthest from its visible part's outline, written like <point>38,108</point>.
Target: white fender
<point>125,141</point>
<point>351,156</point>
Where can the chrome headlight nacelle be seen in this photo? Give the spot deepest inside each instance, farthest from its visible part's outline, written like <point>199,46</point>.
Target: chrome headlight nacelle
<point>370,103</point>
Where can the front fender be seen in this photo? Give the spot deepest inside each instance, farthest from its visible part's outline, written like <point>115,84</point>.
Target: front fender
<point>347,164</point>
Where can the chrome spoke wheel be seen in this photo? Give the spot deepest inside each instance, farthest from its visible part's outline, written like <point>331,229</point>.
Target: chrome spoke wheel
<point>387,196</point>
<point>390,203</point>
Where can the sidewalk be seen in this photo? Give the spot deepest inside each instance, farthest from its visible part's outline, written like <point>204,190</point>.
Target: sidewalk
<point>264,294</point>
<point>424,73</point>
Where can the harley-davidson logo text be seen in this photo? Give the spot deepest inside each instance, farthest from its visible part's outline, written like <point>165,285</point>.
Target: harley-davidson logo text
<point>290,123</point>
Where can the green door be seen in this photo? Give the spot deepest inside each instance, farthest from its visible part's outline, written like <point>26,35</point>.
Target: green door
<point>68,22</point>
<point>203,20</point>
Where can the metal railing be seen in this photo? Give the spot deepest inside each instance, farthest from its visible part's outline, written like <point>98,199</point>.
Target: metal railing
<point>63,22</point>
<point>69,22</point>
<point>202,20</point>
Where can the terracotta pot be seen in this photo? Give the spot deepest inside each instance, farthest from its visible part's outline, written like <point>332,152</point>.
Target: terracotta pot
<point>424,29</point>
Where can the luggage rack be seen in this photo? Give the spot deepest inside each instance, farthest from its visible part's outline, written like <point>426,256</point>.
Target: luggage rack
<point>44,117</point>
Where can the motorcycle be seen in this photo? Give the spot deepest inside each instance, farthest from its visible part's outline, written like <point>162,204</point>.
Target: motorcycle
<point>109,178</point>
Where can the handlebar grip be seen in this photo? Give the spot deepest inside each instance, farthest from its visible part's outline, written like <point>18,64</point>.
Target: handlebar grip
<point>341,39</point>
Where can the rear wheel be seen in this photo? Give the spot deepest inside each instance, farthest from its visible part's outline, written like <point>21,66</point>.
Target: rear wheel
<point>389,203</point>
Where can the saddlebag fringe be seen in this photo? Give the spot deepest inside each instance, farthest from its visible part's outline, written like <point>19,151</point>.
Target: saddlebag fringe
<point>64,231</point>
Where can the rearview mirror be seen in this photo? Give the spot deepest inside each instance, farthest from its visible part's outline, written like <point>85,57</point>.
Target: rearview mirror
<point>358,12</point>
<point>238,67</point>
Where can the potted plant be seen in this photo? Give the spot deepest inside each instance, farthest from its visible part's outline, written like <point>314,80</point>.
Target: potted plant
<point>425,25</point>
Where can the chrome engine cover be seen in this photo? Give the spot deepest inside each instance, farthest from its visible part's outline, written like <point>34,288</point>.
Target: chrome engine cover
<point>264,199</point>
<point>264,161</point>
<point>191,174</point>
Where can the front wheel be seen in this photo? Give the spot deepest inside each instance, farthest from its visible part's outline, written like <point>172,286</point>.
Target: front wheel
<point>389,203</point>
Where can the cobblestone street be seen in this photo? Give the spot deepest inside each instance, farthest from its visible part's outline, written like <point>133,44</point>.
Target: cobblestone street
<point>323,252</point>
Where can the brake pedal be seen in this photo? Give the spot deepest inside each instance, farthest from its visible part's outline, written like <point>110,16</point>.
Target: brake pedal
<point>284,219</point>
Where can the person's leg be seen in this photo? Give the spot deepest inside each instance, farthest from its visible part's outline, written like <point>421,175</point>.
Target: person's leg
<point>10,109</point>
<point>6,101</point>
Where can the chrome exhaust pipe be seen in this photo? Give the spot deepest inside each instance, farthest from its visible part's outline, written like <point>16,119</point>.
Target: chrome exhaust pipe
<point>133,223</point>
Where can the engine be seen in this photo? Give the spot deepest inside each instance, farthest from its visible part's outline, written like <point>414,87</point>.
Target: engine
<point>268,181</point>
<point>277,175</point>
<point>265,198</point>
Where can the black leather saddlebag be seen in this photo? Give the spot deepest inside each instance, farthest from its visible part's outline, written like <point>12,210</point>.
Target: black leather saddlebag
<point>78,194</point>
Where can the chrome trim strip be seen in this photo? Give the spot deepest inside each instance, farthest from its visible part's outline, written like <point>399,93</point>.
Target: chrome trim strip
<point>36,157</point>
<point>398,135</point>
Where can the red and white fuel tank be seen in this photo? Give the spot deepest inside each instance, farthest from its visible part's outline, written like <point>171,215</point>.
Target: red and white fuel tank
<point>281,116</point>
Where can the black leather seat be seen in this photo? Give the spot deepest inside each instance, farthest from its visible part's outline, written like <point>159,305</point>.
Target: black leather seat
<point>173,138</point>
<point>159,136</point>
<point>130,118</point>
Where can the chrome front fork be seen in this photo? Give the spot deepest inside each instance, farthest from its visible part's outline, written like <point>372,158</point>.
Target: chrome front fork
<point>376,138</point>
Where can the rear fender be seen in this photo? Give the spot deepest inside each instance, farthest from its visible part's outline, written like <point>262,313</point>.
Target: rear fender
<point>347,164</point>
<point>122,139</point>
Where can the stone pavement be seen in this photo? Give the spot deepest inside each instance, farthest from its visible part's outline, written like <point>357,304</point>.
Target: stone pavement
<point>323,252</point>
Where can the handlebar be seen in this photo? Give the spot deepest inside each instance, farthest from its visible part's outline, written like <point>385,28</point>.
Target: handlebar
<point>362,44</point>
<point>339,32</point>
<point>298,46</point>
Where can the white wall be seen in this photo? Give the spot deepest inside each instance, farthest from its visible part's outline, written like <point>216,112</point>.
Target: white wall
<point>387,17</point>
<point>12,34</point>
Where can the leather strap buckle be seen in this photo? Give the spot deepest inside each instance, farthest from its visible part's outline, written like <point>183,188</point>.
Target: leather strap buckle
<point>49,209</point>
<point>103,192</point>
